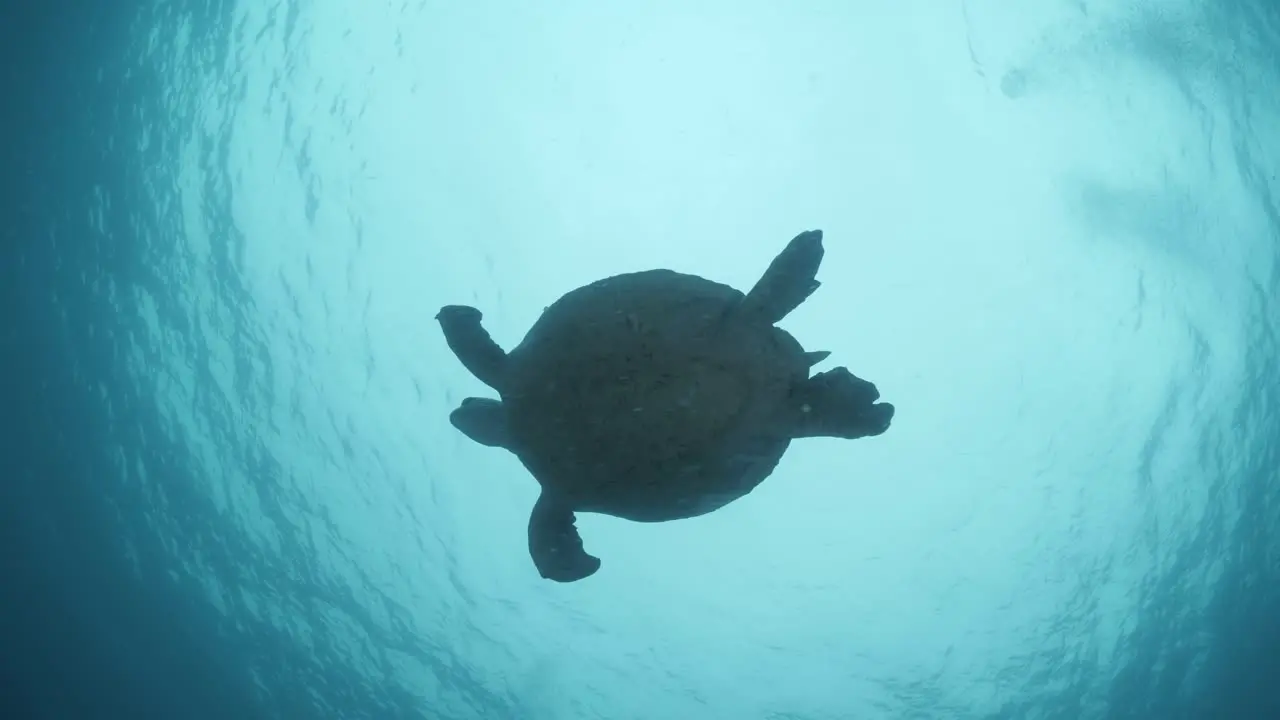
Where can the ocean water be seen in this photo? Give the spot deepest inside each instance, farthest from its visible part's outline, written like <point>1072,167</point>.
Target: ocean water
<point>1053,242</point>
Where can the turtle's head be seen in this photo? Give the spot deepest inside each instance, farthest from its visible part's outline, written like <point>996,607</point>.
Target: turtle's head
<point>482,420</point>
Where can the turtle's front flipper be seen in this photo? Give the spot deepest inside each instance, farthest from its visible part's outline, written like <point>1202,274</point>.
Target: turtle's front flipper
<point>469,340</point>
<point>836,403</point>
<point>555,544</point>
<point>791,277</point>
<point>483,420</point>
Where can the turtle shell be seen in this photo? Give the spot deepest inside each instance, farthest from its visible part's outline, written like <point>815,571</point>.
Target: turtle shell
<point>645,397</point>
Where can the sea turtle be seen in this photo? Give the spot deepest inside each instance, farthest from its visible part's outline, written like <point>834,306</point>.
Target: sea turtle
<point>655,396</point>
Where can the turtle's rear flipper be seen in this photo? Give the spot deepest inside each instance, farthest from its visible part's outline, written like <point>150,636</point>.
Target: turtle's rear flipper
<point>469,340</point>
<point>483,420</point>
<point>836,403</point>
<point>555,544</point>
<point>791,277</point>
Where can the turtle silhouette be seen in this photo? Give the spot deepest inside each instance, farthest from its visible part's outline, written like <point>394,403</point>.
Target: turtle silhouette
<point>655,396</point>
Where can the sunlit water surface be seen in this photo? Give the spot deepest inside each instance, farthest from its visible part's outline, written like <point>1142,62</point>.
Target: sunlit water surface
<point>1051,242</point>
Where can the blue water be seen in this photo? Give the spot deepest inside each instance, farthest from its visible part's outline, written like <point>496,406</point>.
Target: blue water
<point>1053,241</point>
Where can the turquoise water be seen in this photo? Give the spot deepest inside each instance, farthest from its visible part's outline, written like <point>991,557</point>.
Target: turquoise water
<point>1052,242</point>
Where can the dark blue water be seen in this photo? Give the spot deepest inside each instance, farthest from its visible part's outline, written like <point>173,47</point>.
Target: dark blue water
<point>230,491</point>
